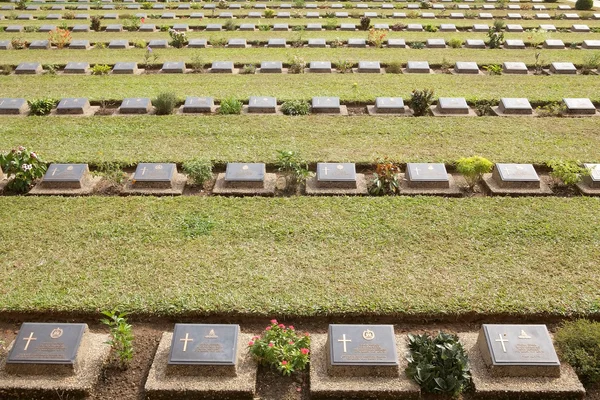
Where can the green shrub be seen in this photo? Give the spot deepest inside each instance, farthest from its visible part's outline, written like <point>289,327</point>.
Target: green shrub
<point>230,105</point>
<point>499,25</point>
<point>331,24</point>
<point>430,28</point>
<point>417,45</point>
<point>248,69</point>
<point>121,336</point>
<point>344,66</point>
<point>552,109</point>
<point>199,171</point>
<point>365,23</point>
<point>569,172</point>
<point>95,23</point>
<point>18,43</point>
<point>41,106</point>
<point>6,69</point>
<point>294,168</point>
<point>269,13</point>
<point>139,43</point>
<point>100,69</point>
<point>420,101</point>
<point>23,166</point>
<point>297,65</point>
<point>165,103</point>
<point>455,43</point>
<point>264,27</point>
<point>295,107</point>
<point>178,39</point>
<point>473,168</point>
<point>438,364</point>
<point>495,39</point>
<point>591,62</point>
<point>493,69</point>
<point>229,25</point>
<point>395,67</point>
<point>578,343</point>
<point>280,347</point>
<point>584,4</point>
<point>385,178</point>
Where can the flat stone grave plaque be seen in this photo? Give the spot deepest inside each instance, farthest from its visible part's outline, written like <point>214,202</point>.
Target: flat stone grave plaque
<point>571,16</point>
<point>46,28</point>
<point>542,16</point>
<point>489,7</point>
<point>565,68</point>
<point>209,6</point>
<point>447,28</point>
<point>369,14</point>
<point>214,27</point>
<point>73,106</point>
<point>580,28</point>
<point>418,67</point>
<point>317,43</point>
<point>173,67</point>
<point>354,42</point>
<point>9,106</point>
<point>24,16</point>
<point>512,67</point>
<point>57,8</point>
<point>29,68</point>
<point>387,6</point>
<point>198,104</point>
<point>554,44</point>
<point>82,16</point>
<point>14,28</point>
<point>548,28</point>
<point>341,14</point>
<point>382,27</point>
<point>125,68</point>
<point>118,44</point>
<point>369,66</point>
<point>320,66</point>
<point>519,176</point>
<point>181,27</point>
<point>311,6</point>
<point>81,28</point>
<point>133,7</point>
<point>196,15</point>
<point>184,7</point>
<point>518,350</point>
<point>67,176</point>
<point>336,175</point>
<point>475,44</point>
<point>197,43</point>
<point>260,6</point>
<point>285,6</point>
<point>284,14</point>
<point>247,27</point>
<point>519,106</point>
<point>427,175</point>
<point>158,44</point>
<point>428,15</point>
<point>412,6</point>
<point>514,28</point>
<point>389,105</point>
<point>396,43</point>
<point>39,345</point>
<point>79,44</point>
<point>82,7</point>
<point>258,104</point>
<point>314,27</point>
<point>254,14</point>
<point>486,16</point>
<point>111,16</point>
<point>225,15</point>
<point>414,27</point>
<point>245,175</point>
<point>199,345</point>
<point>591,44</point>
<point>271,66</point>
<point>281,27</point>
<point>222,66</point>
<point>514,44</point>
<point>135,106</point>
<point>39,45</point>
<point>348,27</point>
<point>168,16</point>
<point>594,179</point>
<point>580,106</point>
<point>313,14</point>
<point>466,67</point>
<point>362,350</point>
<point>154,175</point>
<point>235,6</point>
<point>399,15</point>
<point>236,43</point>
<point>114,28</point>
<point>326,105</point>
<point>481,28</point>
<point>452,105</point>
<point>276,42</point>
<point>337,6</point>
<point>5,45</point>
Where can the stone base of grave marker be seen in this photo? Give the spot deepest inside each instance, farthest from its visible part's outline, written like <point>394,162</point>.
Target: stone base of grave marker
<point>315,188</point>
<point>322,385</point>
<point>343,110</point>
<point>26,381</point>
<point>405,112</point>
<point>443,187</point>
<point>468,112</point>
<point>567,386</point>
<point>584,187</point>
<point>266,110</point>
<point>75,188</point>
<point>264,188</point>
<point>88,111</point>
<point>495,189</point>
<point>162,385</point>
<point>173,188</point>
<point>502,112</point>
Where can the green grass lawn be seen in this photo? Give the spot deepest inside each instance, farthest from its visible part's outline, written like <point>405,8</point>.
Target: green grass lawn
<point>130,140</point>
<point>302,256</point>
<point>303,86</point>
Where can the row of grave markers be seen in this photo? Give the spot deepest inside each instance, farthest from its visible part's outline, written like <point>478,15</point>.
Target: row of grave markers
<point>330,179</point>
<point>206,360</point>
<point>384,106</point>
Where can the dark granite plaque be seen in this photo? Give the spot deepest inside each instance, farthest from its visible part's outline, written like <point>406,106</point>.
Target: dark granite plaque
<point>73,106</point>
<point>515,106</point>
<point>222,66</point>
<point>46,343</point>
<point>197,43</point>
<point>236,43</point>
<point>173,67</point>
<point>427,175</point>
<point>262,104</point>
<point>39,45</point>
<point>118,44</point>
<point>125,68</point>
<point>29,68</point>
<point>65,176</point>
<point>516,176</point>
<point>241,175</point>
<point>79,44</point>
<point>198,105</point>
<point>320,66</point>
<point>271,66</point>
<point>154,172</point>
<point>12,106</point>
<point>81,28</point>
<point>135,106</point>
<point>342,175</point>
<point>204,344</point>
<point>369,66</point>
<point>158,43</point>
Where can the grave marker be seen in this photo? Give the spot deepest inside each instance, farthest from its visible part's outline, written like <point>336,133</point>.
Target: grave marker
<point>418,67</point>
<point>198,105</point>
<point>271,67</point>
<point>10,106</point>
<point>563,68</point>
<point>258,104</point>
<point>135,106</point>
<point>29,68</point>
<point>173,67</point>
<point>389,105</point>
<point>593,180</point>
<point>320,66</point>
<point>79,44</point>
<point>326,105</point>
<point>427,175</point>
<point>154,175</point>
<point>369,67</point>
<point>452,106</point>
<point>466,67</point>
<point>65,176</point>
<point>517,176</point>
<point>125,68</point>
<point>73,106</point>
<point>579,106</point>
<point>245,175</point>
<point>336,175</point>
<point>222,67</point>
<point>517,106</point>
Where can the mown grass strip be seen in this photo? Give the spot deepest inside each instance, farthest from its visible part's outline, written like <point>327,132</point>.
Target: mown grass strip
<point>130,140</point>
<point>302,256</point>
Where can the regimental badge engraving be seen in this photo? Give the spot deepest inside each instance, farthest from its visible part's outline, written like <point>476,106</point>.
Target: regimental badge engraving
<point>56,333</point>
<point>211,335</point>
<point>368,334</point>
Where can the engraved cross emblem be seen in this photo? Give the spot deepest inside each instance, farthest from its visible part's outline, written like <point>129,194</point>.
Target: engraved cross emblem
<point>325,170</point>
<point>502,341</point>
<point>185,341</point>
<point>344,340</point>
<point>28,339</point>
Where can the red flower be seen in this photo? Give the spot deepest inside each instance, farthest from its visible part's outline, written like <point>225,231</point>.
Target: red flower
<point>268,328</point>
<point>304,351</point>
<point>291,327</point>
<point>271,344</point>
<point>284,362</point>
<point>251,343</point>
<point>274,321</point>
<point>291,342</point>
<point>282,326</point>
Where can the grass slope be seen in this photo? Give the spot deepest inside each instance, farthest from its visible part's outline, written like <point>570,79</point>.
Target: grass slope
<point>302,256</point>
<point>257,138</point>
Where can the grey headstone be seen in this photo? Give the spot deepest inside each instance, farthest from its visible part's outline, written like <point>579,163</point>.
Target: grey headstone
<point>271,66</point>
<point>114,28</point>
<point>548,28</point>
<point>514,44</point>
<point>566,68</point>
<point>486,16</point>
<point>237,43</point>
<point>427,175</point>
<point>414,28</point>
<point>24,16</point>
<point>222,66</point>
<point>514,67</point>
<point>314,27</point>
<point>5,45</point>
<point>317,42</point>
<point>79,44</point>
<point>516,176</point>
<point>594,179</point>
<point>579,106</point>
<point>419,67</point>
<point>82,16</point>
<point>348,27</point>
<point>125,68</point>
<point>336,172</point>
<point>196,15</point>
<point>428,15</point>
<point>475,44</point>
<point>447,28</point>
<point>320,66</point>
<point>14,28</point>
<point>198,105</point>
<point>452,105</point>
<point>354,42</point>
<point>514,28</point>
<point>389,105</point>
<point>111,16</point>
<point>154,172</point>
<point>313,14</point>
<point>81,28</point>
<point>204,344</point>
<point>29,68</point>
<point>173,67</point>
<point>197,43</point>
<point>65,175</point>
<point>262,104</point>
<point>515,106</point>
<point>481,28</point>
<point>46,343</point>
<point>382,27</point>
<point>214,27</point>
<point>77,68</point>
<point>580,28</point>
<point>9,106</point>
<point>368,14</point>
<point>118,44</point>
<point>369,66</point>
<point>135,106</point>
<point>39,45</point>
<point>247,27</point>
<point>281,27</point>
<point>245,172</point>
<point>466,67</point>
<point>254,14</point>
<point>283,14</point>
<point>396,43</point>
<point>158,44</point>
<point>554,44</point>
<point>326,105</point>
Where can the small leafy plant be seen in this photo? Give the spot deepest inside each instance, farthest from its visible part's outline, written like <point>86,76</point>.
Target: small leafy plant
<point>297,65</point>
<point>495,39</point>
<point>365,23</point>
<point>377,37</point>
<point>95,23</point>
<point>344,66</point>
<point>60,37</point>
<point>178,39</point>
<point>569,172</point>
<point>248,69</point>
<point>473,168</point>
<point>165,103</point>
<point>578,343</point>
<point>150,57</point>
<point>438,364</point>
<point>281,348</point>
<point>41,106</point>
<point>394,67</point>
<point>455,43</point>
<point>269,13</point>
<point>100,69</point>
<point>24,166</point>
<point>295,107</point>
<point>230,105</point>
<point>200,171</point>
<point>493,69</point>
<point>293,167</point>
<point>584,4</point>
<point>385,180</point>
<point>121,336</point>
<point>421,100</point>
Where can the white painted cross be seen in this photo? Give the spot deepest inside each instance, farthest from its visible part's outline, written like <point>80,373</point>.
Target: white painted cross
<point>502,341</point>
<point>344,340</point>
